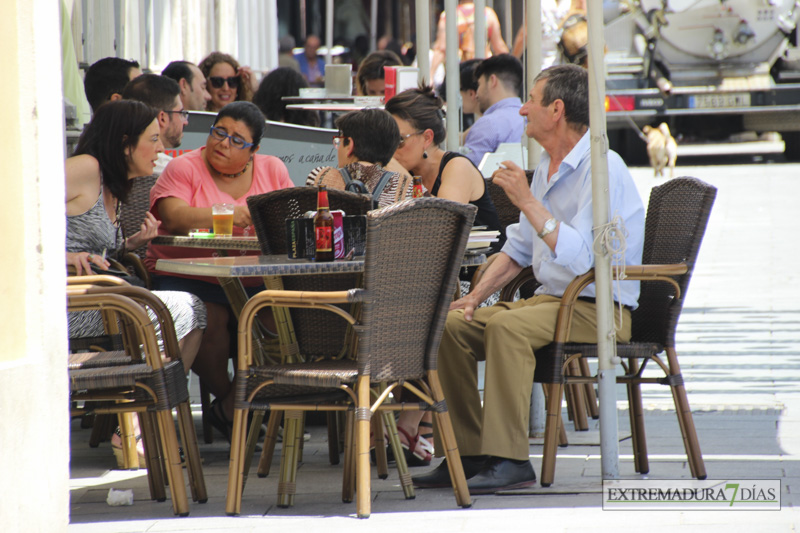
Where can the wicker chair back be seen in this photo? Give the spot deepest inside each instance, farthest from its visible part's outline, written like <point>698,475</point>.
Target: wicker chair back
<point>414,251</point>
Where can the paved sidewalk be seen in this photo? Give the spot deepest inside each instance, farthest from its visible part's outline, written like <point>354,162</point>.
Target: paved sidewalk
<point>739,346</point>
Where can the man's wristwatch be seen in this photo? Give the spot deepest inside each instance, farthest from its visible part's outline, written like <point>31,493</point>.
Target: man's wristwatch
<point>549,227</point>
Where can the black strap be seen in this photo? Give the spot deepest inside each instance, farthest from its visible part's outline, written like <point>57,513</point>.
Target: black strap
<point>358,186</point>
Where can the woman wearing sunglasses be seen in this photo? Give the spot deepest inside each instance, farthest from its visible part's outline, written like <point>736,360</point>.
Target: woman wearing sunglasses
<point>226,170</point>
<point>227,81</point>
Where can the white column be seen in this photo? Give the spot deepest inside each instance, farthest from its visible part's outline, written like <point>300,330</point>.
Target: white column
<point>533,17</point>
<point>480,28</point>
<point>329,31</point>
<point>452,70</point>
<point>33,328</point>
<point>373,25</point>
<point>423,25</point>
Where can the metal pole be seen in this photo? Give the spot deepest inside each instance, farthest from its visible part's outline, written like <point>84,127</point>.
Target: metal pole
<point>373,25</point>
<point>606,338</point>
<point>480,28</point>
<point>533,17</point>
<point>452,70</point>
<point>508,26</point>
<point>329,31</point>
<point>423,24</point>
<point>271,19</point>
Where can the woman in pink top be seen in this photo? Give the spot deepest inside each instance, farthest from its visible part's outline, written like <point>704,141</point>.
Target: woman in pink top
<point>228,170</point>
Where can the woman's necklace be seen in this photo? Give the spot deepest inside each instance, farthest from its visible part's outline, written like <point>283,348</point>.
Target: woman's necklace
<point>229,176</point>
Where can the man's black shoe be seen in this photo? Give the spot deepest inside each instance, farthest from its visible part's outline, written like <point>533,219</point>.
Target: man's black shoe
<point>502,474</point>
<point>439,477</point>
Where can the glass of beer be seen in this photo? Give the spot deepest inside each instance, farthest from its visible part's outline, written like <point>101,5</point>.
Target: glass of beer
<point>222,216</point>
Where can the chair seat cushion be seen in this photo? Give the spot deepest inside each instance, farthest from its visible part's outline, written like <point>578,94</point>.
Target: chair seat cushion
<point>325,374</point>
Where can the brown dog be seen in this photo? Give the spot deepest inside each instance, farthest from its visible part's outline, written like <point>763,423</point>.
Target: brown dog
<point>661,149</point>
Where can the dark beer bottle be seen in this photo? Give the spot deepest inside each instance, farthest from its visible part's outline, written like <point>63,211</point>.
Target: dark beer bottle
<point>417,190</point>
<point>323,227</point>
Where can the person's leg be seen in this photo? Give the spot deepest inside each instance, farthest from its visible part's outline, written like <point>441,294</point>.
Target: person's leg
<point>189,345</point>
<point>211,363</point>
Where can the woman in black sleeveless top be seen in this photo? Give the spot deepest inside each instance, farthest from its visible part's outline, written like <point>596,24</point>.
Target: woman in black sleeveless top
<point>419,116</point>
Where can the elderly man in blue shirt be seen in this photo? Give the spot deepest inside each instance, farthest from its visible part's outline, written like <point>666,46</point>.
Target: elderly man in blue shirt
<point>499,81</point>
<point>554,237</point>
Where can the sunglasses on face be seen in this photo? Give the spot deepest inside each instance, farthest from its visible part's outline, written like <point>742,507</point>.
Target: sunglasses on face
<point>217,82</point>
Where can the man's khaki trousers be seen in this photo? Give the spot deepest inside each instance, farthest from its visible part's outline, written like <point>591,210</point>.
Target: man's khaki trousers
<point>506,336</point>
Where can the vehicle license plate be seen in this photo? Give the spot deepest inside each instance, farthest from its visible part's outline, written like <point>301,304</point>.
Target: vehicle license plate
<point>719,100</point>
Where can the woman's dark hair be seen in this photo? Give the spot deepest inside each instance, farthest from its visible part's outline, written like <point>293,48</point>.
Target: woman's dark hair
<point>282,82</point>
<point>372,67</point>
<point>115,127</point>
<point>422,108</point>
<point>374,132</point>
<point>248,113</point>
<point>205,66</point>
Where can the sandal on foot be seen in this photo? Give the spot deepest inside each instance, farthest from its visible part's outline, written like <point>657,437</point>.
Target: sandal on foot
<point>416,454</point>
<point>116,448</point>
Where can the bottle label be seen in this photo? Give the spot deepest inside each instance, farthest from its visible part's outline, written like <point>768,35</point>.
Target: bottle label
<point>417,193</point>
<point>324,238</point>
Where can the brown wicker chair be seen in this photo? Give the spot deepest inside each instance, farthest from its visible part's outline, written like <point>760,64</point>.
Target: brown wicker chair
<point>134,382</point>
<point>409,282</point>
<point>131,216</point>
<point>676,221</point>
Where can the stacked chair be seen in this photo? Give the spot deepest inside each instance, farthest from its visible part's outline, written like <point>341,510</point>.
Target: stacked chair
<point>136,380</point>
<point>409,278</point>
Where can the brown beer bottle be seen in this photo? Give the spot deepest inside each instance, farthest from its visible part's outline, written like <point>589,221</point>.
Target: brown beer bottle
<point>323,227</point>
<point>417,190</point>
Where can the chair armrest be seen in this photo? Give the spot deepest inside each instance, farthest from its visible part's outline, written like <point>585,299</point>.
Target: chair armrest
<point>321,300</point>
<point>510,289</point>
<point>97,279</point>
<point>632,272</point>
<point>131,261</point>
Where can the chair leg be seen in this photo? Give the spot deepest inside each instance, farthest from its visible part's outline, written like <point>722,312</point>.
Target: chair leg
<point>563,442</point>
<point>166,426</point>
<point>349,476</point>
<point>377,440</point>
<point>445,428</point>
<point>333,437</point>
<point>205,405</point>
<point>363,415</point>
<point>270,439</point>
<point>685,419</point>
<point>155,468</point>
<point>250,446</point>
<point>101,429</point>
<point>191,452</point>
<point>233,502</point>
<point>129,453</point>
<point>636,412</point>
<point>578,402</point>
<point>551,432</point>
<point>288,475</point>
<point>588,388</point>
<point>399,456</point>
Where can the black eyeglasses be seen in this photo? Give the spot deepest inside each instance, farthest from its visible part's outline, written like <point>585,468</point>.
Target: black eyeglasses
<point>217,82</point>
<point>236,141</point>
<point>183,113</point>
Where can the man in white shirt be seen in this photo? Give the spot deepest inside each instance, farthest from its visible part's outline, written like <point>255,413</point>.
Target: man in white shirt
<point>554,237</point>
<point>164,94</point>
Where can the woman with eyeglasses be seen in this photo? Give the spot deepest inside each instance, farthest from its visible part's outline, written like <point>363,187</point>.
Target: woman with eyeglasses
<point>226,170</point>
<point>419,116</point>
<point>227,81</point>
<point>119,144</point>
<point>450,175</point>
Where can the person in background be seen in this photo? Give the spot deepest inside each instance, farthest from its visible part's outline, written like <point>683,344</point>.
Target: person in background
<point>282,82</point>
<point>465,12</point>
<point>227,81</point>
<point>106,78</point>
<point>227,169</point>
<point>286,58</point>
<point>370,77</point>
<point>499,83</point>
<point>164,95</point>
<point>469,90</point>
<point>365,144</point>
<point>312,66</point>
<point>554,14</point>
<point>554,237</point>
<point>192,83</point>
<point>450,175</point>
